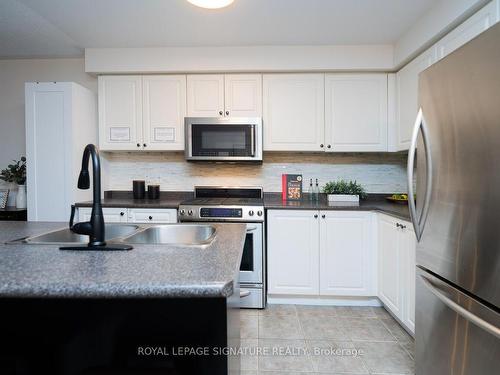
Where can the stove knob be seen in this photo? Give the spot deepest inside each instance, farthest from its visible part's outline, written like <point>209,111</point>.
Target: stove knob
<point>182,212</point>
<point>250,213</point>
<point>190,212</point>
<point>259,213</point>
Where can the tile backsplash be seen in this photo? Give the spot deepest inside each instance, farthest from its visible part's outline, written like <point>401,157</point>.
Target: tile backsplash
<point>377,172</point>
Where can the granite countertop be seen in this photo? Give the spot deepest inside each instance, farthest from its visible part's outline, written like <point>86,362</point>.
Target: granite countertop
<point>374,202</point>
<point>165,271</point>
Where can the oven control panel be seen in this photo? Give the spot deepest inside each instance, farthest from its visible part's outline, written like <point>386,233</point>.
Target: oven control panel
<point>221,213</point>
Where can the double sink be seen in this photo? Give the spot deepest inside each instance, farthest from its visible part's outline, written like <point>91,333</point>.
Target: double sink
<point>166,234</point>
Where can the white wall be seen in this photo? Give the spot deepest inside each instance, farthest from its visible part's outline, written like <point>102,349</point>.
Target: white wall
<point>13,75</point>
<point>239,59</point>
<point>443,17</point>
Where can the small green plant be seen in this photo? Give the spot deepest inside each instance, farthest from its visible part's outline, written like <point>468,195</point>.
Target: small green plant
<point>344,187</point>
<point>15,172</point>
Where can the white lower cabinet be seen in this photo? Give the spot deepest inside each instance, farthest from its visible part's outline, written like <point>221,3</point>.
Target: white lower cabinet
<point>409,243</point>
<point>132,215</point>
<point>396,268</point>
<point>293,252</point>
<point>320,253</point>
<point>347,262</point>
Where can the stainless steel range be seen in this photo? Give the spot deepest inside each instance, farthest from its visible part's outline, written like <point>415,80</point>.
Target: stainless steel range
<point>236,204</point>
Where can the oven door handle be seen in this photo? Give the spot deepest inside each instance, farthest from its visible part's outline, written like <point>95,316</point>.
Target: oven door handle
<point>244,293</point>
<point>251,229</point>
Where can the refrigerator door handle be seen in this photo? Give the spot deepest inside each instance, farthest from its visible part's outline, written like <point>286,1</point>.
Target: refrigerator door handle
<point>466,314</point>
<point>419,223</point>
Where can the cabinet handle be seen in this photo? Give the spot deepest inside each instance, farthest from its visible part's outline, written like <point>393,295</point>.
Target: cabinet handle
<point>227,113</point>
<point>144,145</point>
<point>315,216</point>
<point>122,213</point>
<point>221,113</point>
<point>323,216</point>
<point>138,145</point>
<point>151,218</point>
<point>322,145</point>
<point>398,225</point>
<point>403,226</point>
<point>329,146</point>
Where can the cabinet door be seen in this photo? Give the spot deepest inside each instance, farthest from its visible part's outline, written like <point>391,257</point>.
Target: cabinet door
<point>389,265</point>
<point>164,109</point>
<point>294,109</point>
<point>293,252</point>
<point>347,266</point>
<point>408,243</point>
<point>205,95</point>
<point>356,112</point>
<point>120,112</point>
<point>407,98</point>
<point>152,215</point>
<point>472,27</point>
<point>243,95</point>
<point>111,215</point>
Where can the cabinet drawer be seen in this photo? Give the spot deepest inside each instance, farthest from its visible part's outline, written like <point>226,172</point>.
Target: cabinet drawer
<point>139,215</point>
<point>111,214</point>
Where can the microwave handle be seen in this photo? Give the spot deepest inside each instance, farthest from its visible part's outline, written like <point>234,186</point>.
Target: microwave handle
<point>252,141</point>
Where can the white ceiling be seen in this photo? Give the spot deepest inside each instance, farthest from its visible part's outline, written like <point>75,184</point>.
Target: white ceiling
<point>55,28</point>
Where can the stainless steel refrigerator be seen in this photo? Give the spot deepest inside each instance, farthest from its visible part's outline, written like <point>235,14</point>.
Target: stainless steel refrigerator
<point>457,214</point>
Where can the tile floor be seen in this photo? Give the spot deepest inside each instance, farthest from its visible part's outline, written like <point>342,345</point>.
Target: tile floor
<point>366,340</point>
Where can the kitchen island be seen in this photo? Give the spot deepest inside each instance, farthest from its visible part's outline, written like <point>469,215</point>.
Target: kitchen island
<point>96,312</point>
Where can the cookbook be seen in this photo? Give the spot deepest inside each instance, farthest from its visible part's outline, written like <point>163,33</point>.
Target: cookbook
<point>291,187</point>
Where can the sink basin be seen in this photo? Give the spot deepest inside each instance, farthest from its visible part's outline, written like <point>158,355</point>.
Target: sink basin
<point>66,236</point>
<point>182,234</point>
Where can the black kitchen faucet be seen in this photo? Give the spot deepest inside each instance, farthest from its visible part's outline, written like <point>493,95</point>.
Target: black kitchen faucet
<point>94,228</point>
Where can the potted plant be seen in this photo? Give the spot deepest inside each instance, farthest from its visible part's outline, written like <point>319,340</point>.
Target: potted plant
<point>16,173</point>
<point>343,191</point>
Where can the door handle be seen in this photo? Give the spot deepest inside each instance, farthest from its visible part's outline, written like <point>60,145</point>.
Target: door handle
<point>72,217</point>
<point>464,313</point>
<point>419,223</point>
<point>252,141</point>
<point>251,229</point>
<point>244,293</point>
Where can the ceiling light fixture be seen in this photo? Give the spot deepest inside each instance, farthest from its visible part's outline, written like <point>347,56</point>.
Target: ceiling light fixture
<point>211,4</point>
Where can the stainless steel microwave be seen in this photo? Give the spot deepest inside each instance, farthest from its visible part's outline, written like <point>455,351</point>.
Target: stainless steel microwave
<point>223,138</point>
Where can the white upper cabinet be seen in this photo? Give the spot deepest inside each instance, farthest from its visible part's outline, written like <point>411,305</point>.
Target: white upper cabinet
<point>468,30</point>
<point>356,112</point>
<point>293,252</point>
<point>164,108</point>
<point>294,109</point>
<point>120,112</point>
<point>243,95</point>
<point>142,112</point>
<point>407,98</point>
<point>407,77</point>
<point>347,261</point>
<point>205,95</point>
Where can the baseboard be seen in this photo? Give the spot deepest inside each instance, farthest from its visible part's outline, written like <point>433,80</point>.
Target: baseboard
<point>323,300</point>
